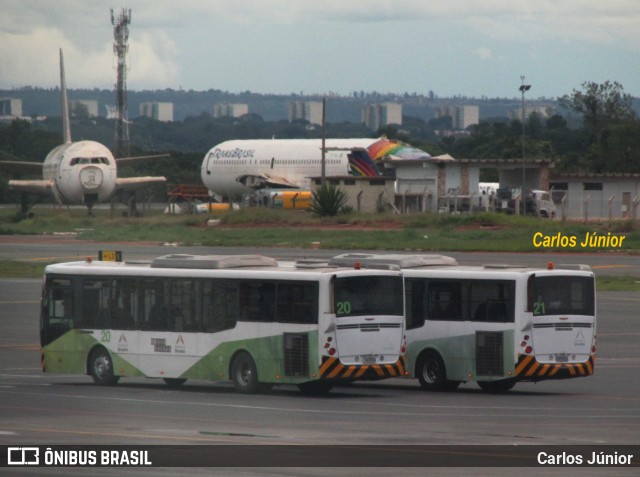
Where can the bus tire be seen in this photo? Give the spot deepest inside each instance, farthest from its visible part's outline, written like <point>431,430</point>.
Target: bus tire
<point>497,387</point>
<point>174,382</point>
<point>101,368</point>
<point>432,373</point>
<point>244,374</point>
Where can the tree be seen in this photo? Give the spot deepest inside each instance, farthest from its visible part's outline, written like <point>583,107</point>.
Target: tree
<point>601,106</point>
<point>623,147</point>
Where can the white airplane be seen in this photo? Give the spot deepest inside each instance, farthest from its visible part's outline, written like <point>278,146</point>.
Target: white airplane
<point>236,167</point>
<point>82,172</point>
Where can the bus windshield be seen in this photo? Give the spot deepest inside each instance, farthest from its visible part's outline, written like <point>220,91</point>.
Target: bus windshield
<point>368,295</point>
<point>563,295</point>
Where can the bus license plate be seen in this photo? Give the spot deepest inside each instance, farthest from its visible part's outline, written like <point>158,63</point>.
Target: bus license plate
<point>368,359</point>
<point>562,358</point>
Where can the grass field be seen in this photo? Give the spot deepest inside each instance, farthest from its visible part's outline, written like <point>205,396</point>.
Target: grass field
<point>280,228</point>
<point>288,228</point>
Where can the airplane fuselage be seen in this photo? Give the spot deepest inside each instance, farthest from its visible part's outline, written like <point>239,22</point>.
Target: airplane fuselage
<point>81,172</point>
<point>292,159</point>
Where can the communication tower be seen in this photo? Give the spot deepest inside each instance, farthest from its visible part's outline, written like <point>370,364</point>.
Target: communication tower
<point>120,49</point>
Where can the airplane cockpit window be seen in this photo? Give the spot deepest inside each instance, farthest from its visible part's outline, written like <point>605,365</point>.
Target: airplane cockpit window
<point>89,160</point>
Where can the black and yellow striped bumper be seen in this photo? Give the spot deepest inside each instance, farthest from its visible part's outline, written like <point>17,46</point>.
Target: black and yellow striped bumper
<point>528,369</point>
<point>331,368</point>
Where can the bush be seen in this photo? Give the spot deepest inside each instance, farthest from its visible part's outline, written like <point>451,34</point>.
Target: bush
<point>328,201</point>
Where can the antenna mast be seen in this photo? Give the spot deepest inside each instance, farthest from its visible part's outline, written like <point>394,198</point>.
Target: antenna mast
<point>120,49</point>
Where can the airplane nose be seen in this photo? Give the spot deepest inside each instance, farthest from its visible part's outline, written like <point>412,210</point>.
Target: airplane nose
<point>91,178</point>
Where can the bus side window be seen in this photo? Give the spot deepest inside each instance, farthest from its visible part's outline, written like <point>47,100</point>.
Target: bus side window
<point>220,310</point>
<point>177,318</point>
<point>445,301</point>
<point>296,303</point>
<point>257,300</point>
<point>498,311</point>
<point>115,302</point>
<point>158,319</point>
<point>491,301</point>
<point>123,303</point>
<point>90,302</point>
<point>415,300</point>
<point>95,312</point>
<point>58,311</point>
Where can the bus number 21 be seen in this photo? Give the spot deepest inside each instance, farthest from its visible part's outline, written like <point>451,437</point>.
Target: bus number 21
<point>538,308</point>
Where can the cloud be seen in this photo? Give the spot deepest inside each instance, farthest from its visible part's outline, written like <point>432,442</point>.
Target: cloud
<point>484,53</point>
<point>29,52</point>
<point>295,45</point>
<point>153,61</point>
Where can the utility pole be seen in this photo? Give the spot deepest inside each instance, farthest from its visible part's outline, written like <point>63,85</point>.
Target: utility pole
<point>323,168</point>
<point>523,88</point>
<point>121,48</point>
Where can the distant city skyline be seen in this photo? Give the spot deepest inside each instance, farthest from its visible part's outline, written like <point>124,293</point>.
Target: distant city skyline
<point>463,48</point>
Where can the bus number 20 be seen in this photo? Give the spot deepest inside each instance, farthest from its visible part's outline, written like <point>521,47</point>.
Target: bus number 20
<point>344,307</point>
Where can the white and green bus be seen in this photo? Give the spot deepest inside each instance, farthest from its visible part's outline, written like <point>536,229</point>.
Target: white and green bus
<point>495,324</point>
<point>243,318</point>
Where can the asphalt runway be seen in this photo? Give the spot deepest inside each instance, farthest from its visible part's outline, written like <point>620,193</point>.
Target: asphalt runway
<point>35,408</point>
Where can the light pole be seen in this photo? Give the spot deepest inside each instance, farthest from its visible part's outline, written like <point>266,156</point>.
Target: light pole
<point>323,162</point>
<point>523,88</point>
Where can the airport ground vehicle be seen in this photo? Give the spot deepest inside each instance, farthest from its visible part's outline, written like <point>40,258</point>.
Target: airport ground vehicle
<point>536,202</point>
<point>495,324</point>
<point>243,318</point>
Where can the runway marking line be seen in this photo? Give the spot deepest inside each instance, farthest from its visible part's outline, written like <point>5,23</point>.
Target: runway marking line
<point>78,432</point>
<point>612,266</point>
<point>28,347</point>
<point>21,302</point>
<point>46,259</point>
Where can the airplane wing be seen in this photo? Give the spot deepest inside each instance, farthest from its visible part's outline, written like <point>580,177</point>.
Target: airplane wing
<point>36,187</point>
<point>133,183</point>
<point>128,160</point>
<point>260,181</point>
<point>21,166</point>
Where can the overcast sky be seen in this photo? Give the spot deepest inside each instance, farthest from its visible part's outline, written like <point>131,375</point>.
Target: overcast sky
<point>451,47</point>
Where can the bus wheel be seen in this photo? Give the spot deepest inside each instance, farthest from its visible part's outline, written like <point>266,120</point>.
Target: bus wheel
<point>174,382</point>
<point>497,387</point>
<point>101,368</point>
<point>433,375</point>
<point>244,374</point>
<point>314,388</point>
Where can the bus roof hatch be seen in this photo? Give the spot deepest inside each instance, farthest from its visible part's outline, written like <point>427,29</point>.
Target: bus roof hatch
<point>212,261</point>
<point>370,260</point>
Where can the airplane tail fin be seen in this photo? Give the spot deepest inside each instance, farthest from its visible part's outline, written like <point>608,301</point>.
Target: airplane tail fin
<point>361,163</point>
<point>66,125</point>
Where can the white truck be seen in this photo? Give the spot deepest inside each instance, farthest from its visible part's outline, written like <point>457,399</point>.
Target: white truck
<point>544,204</point>
<point>537,202</point>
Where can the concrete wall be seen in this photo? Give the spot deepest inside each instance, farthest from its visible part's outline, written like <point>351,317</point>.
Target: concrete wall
<point>596,197</point>
<point>366,194</point>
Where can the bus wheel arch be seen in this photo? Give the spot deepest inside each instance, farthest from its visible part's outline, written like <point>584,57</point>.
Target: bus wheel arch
<point>244,373</point>
<point>100,367</point>
<point>432,372</point>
